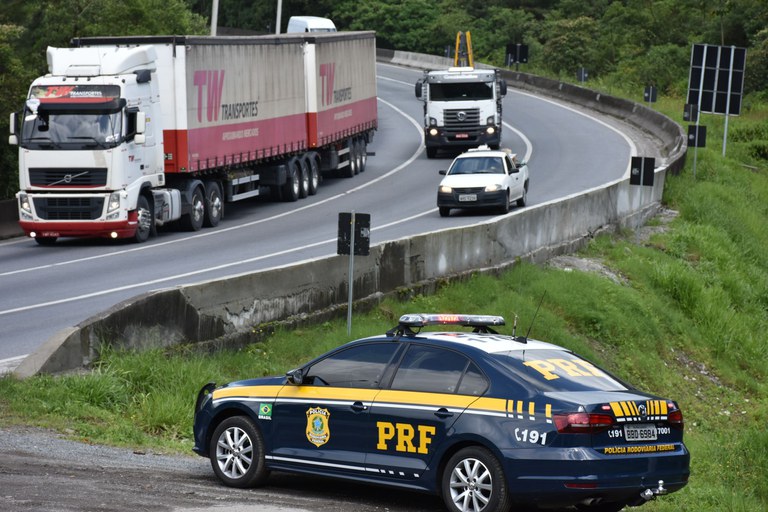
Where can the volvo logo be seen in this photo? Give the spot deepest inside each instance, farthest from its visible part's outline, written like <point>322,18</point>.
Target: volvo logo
<point>68,178</point>
<point>461,116</point>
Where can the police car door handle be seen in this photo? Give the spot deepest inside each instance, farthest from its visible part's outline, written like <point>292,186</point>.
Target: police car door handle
<point>359,407</point>
<point>443,413</point>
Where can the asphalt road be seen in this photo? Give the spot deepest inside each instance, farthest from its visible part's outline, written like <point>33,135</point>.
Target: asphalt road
<point>47,289</point>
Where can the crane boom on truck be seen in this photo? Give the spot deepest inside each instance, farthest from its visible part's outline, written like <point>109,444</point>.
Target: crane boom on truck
<point>125,134</point>
<point>462,104</point>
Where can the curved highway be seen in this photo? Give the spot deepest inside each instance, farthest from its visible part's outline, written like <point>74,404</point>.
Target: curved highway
<point>47,289</point>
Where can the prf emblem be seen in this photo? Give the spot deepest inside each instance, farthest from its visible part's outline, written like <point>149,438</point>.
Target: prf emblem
<point>318,431</point>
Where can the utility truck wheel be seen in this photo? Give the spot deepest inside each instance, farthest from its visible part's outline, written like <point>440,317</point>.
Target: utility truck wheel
<point>431,152</point>
<point>144,220</point>
<point>193,221</point>
<point>214,205</point>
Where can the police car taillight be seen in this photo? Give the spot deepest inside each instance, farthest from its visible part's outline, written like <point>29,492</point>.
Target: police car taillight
<point>675,417</point>
<point>582,423</point>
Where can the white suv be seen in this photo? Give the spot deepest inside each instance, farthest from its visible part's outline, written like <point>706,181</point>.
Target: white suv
<point>483,178</point>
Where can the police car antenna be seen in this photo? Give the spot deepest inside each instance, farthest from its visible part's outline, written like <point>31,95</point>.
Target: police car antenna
<point>524,339</point>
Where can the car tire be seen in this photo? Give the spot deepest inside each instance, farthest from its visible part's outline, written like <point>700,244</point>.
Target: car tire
<point>444,212</point>
<point>237,453</point>
<point>473,481</point>
<point>504,209</point>
<point>524,198</point>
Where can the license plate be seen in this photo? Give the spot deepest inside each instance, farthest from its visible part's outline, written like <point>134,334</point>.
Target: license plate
<point>640,433</point>
<point>467,197</point>
<point>462,135</point>
<point>51,234</point>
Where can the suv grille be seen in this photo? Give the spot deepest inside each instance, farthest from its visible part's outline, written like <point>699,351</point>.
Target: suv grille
<point>461,119</point>
<point>56,177</point>
<point>69,208</point>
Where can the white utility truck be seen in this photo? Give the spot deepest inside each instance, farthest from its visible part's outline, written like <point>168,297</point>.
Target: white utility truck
<point>462,104</point>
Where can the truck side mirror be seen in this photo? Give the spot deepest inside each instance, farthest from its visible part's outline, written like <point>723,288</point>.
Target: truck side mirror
<point>503,87</point>
<point>419,89</point>
<point>13,140</point>
<point>141,127</point>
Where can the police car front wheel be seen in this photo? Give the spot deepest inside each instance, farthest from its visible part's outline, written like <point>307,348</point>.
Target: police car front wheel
<point>237,453</point>
<point>473,481</point>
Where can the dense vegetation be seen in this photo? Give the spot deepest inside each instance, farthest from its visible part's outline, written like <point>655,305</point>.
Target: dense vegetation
<point>626,44</point>
<point>682,313</point>
<point>686,316</point>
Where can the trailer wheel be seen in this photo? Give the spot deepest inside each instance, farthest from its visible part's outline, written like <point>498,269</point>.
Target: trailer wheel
<point>314,174</point>
<point>144,220</point>
<point>359,155</point>
<point>193,221</point>
<point>352,156</point>
<point>290,190</point>
<point>363,154</point>
<point>301,164</point>
<point>214,205</point>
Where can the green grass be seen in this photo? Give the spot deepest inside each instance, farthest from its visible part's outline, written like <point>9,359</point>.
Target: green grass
<point>688,319</point>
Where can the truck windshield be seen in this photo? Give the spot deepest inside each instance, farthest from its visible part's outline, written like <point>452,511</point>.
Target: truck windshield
<point>71,131</point>
<point>461,91</point>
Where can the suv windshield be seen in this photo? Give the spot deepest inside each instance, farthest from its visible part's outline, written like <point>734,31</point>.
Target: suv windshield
<point>558,370</point>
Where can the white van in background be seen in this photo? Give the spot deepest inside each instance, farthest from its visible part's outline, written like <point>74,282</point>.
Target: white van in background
<point>310,24</point>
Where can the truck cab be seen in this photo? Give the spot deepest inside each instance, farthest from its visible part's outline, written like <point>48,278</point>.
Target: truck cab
<point>462,108</point>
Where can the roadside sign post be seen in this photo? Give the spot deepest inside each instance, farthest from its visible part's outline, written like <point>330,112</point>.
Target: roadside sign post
<point>354,239</point>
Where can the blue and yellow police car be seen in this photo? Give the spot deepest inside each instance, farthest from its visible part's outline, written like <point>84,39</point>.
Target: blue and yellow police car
<point>483,419</point>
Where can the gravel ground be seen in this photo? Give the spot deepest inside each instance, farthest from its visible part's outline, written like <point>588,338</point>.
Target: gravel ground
<point>41,471</point>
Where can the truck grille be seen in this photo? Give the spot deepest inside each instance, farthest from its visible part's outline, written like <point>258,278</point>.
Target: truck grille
<point>69,208</point>
<point>460,120</point>
<point>55,177</point>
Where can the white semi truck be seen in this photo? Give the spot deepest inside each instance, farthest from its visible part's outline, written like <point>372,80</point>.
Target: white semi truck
<point>125,134</point>
<point>462,104</point>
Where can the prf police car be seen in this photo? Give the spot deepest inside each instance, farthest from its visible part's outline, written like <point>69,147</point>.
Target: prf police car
<point>483,419</point>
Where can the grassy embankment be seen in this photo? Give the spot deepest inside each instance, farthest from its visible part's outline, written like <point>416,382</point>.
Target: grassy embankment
<point>688,319</point>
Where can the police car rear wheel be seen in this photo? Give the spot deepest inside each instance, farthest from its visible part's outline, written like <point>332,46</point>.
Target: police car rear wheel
<point>473,481</point>
<point>237,453</point>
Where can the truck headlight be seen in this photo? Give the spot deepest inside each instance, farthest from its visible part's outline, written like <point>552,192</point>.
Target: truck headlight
<point>490,130</point>
<point>433,132</point>
<point>113,206</point>
<point>25,208</point>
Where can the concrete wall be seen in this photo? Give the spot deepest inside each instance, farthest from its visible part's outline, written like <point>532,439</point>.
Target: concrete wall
<point>9,219</point>
<point>234,311</point>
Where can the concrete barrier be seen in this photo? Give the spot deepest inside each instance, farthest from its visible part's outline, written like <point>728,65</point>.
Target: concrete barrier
<point>239,309</point>
<point>9,219</point>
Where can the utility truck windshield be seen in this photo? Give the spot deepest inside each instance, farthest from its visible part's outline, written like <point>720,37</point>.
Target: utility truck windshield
<point>461,91</point>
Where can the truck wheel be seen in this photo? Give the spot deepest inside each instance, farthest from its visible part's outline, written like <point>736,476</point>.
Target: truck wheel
<point>359,149</point>
<point>444,212</point>
<point>354,161</point>
<point>290,191</point>
<point>193,221</point>
<point>237,453</point>
<point>473,481</point>
<point>363,154</point>
<point>214,205</point>
<point>314,174</point>
<point>431,152</point>
<point>144,220</point>
<point>301,165</point>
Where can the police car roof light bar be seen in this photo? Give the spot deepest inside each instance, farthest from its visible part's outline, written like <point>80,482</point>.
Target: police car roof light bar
<point>480,323</point>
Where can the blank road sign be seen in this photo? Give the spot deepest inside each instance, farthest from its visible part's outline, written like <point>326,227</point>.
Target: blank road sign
<point>716,80</point>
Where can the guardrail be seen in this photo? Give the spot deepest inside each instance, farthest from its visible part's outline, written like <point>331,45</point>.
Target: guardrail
<point>237,310</point>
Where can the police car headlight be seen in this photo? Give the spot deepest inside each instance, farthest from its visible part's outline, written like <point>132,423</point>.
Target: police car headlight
<point>493,188</point>
<point>445,189</point>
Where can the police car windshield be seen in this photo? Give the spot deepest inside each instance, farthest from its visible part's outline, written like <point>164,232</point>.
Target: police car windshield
<point>555,370</point>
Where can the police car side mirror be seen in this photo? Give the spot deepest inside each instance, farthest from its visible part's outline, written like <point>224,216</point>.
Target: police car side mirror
<point>296,376</point>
